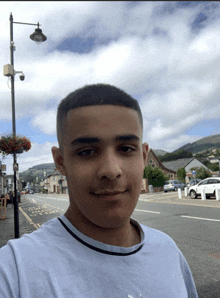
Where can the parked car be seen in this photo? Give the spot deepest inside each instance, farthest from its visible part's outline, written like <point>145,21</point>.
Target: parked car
<point>209,184</point>
<point>31,191</point>
<point>173,185</point>
<point>193,182</point>
<point>24,192</point>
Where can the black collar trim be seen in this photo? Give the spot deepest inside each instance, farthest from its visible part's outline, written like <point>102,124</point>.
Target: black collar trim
<point>96,248</point>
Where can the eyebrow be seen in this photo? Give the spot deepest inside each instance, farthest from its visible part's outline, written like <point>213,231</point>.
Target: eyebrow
<point>92,140</point>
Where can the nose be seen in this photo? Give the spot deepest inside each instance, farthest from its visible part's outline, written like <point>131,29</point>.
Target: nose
<point>109,166</point>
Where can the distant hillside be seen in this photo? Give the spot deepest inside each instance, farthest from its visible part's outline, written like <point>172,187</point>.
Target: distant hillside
<point>211,142</point>
<point>37,171</point>
<point>159,152</point>
<point>43,166</point>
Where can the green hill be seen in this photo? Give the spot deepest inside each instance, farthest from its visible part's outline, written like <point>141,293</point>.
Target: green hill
<point>44,166</point>
<point>211,142</point>
<point>37,171</point>
<point>159,152</point>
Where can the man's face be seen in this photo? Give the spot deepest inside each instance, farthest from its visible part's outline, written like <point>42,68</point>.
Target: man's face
<point>103,159</point>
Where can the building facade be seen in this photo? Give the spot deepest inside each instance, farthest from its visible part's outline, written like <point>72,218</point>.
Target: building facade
<point>154,161</point>
<point>54,183</point>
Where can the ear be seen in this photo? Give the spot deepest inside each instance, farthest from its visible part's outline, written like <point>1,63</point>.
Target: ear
<point>58,160</point>
<point>145,149</point>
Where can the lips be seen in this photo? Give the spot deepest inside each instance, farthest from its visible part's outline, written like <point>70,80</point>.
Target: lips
<point>109,193</point>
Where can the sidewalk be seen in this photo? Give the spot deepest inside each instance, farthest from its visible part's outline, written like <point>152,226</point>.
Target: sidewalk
<point>172,197</point>
<point>7,225</point>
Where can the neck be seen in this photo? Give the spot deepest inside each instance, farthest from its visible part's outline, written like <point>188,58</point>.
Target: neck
<point>126,235</point>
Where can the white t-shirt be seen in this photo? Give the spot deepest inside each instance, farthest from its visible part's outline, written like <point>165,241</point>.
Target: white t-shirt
<point>59,261</point>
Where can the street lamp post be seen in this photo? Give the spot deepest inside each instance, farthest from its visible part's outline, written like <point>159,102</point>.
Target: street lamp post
<point>38,37</point>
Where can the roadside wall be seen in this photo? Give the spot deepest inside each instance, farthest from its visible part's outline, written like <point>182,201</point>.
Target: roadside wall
<point>145,187</point>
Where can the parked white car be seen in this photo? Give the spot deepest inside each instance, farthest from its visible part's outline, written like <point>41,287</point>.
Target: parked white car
<point>208,184</point>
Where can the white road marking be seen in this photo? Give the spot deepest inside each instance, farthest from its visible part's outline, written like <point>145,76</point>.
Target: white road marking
<point>143,200</point>
<point>33,200</point>
<point>210,219</point>
<point>146,211</point>
<point>54,197</point>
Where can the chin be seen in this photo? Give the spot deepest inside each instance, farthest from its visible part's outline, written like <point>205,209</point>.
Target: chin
<point>111,222</point>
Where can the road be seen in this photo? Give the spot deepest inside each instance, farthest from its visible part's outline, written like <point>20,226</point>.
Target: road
<point>193,224</point>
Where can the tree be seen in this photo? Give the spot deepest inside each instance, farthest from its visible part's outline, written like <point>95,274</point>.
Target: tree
<point>200,155</point>
<point>202,173</point>
<point>181,174</point>
<point>175,155</point>
<point>214,166</point>
<point>155,176</point>
<point>28,178</point>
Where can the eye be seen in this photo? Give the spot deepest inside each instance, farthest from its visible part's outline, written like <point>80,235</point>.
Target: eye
<point>86,152</point>
<point>127,149</point>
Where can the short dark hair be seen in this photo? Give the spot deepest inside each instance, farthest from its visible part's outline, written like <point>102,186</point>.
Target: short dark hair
<point>90,95</point>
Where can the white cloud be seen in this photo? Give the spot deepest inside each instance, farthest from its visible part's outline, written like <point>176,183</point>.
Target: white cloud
<point>46,122</point>
<point>177,142</point>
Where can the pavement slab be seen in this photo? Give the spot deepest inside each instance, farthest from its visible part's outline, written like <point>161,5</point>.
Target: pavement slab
<point>7,225</point>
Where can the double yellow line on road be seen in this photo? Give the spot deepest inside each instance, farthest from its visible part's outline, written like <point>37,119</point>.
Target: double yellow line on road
<point>29,219</point>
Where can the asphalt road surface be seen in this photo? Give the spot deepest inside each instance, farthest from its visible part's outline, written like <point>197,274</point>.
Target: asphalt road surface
<point>193,224</point>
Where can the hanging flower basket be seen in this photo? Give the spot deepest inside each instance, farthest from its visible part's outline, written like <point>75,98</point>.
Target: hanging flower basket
<point>11,144</point>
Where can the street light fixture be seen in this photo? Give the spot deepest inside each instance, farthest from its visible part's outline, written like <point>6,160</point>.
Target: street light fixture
<point>39,37</point>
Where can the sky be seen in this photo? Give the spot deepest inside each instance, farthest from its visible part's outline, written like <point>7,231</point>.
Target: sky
<point>166,54</point>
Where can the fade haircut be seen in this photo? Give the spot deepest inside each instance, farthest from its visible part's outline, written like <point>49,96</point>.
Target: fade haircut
<point>91,95</point>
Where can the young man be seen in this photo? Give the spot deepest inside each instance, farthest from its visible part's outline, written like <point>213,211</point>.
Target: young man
<point>95,250</point>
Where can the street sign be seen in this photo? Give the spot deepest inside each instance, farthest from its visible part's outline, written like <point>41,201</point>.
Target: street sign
<point>15,167</point>
<point>193,172</point>
<point>3,167</point>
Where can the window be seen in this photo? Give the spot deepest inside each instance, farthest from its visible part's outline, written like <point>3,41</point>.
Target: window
<point>152,163</point>
<point>213,181</point>
<point>204,182</point>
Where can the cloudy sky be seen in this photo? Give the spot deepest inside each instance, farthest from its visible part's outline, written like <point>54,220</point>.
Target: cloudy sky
<point>165,54</point>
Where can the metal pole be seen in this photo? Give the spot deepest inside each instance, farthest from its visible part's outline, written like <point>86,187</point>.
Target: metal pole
<point>16,213</point>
